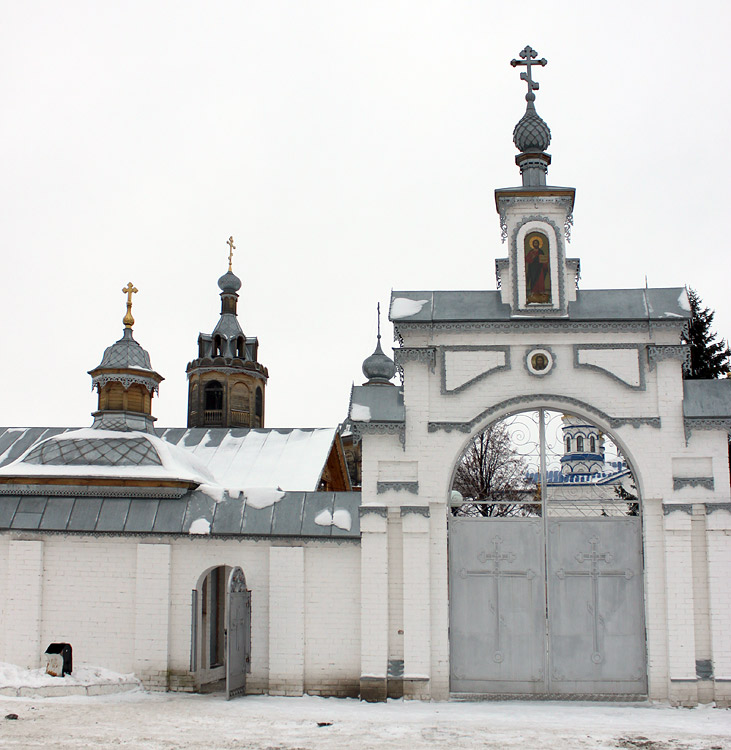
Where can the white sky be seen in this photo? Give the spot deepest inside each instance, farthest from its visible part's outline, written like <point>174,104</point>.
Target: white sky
<point>350,148</point>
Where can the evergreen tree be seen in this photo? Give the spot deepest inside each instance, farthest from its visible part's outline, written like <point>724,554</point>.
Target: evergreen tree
<point>708,358</point>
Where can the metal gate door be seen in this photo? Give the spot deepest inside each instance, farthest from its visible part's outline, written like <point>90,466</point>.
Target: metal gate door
<point>546,587</point>
<point>238,634</point>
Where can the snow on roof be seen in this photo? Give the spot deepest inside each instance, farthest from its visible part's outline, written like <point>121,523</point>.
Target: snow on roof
<point>91,460</point>
<point>234,459</point>
<point>288,459</point>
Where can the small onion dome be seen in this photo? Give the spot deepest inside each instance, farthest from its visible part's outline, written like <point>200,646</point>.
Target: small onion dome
<point>125,354</point>
<point>378,368</point>
<point>229,282</point>
<point>531,133</point>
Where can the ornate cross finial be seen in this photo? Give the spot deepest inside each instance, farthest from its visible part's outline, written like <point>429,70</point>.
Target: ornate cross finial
<point>231,248</point>
<point>129,290</point>
<point>529,58</point>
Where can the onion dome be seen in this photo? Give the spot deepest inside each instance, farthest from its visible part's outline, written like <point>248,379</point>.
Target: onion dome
<point>531,134</point>
<point>379,368</point>
<point>229,283</point>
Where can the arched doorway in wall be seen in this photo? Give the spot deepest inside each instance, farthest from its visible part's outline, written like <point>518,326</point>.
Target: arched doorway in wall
<point>221,631</point>
<point>545,562</point>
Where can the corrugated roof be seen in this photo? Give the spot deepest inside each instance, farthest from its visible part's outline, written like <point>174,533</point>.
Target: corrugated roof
<point>591,304</point>
<point>295,514</point>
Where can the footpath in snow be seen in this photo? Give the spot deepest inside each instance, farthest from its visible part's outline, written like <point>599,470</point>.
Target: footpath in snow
<point>166,721</point>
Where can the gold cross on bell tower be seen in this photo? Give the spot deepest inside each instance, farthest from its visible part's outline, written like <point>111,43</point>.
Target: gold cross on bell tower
<point>129,290</point>
<point>231,248</point>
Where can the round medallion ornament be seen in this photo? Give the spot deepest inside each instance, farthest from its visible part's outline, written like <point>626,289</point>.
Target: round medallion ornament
<point>539,361</point>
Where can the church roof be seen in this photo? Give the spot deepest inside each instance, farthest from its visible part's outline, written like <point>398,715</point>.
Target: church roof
<point>253,482</point>
<point>288,459</point>
<point>590,305</point>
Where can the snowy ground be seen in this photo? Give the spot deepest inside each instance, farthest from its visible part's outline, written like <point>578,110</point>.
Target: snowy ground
<point>167,721</point>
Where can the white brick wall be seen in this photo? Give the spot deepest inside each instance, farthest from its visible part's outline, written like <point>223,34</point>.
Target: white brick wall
<point>286,620</point>
<point>24,591</point>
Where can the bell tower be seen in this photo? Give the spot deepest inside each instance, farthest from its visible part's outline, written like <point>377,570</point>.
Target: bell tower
<point>536,279</point>
<point>226,383</point>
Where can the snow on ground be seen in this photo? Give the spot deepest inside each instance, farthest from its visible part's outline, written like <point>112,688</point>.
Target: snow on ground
<point>166,720</point>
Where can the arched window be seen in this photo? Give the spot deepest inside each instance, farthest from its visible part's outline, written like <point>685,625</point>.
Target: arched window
<point>217,349</point>
<point>592,444</point>
<point>580,444</point>
<point>259,406</point>
<point>568,444</point>
<point>241,347</point>
<point>213,396</point>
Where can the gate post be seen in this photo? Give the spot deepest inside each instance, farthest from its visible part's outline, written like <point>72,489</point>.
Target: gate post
<point>374,603</point>
<point>152,615</point>
<point>683,688</point>
<point>417,602</point>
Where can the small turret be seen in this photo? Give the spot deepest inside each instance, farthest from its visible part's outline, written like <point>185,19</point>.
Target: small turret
<point>125,381</point>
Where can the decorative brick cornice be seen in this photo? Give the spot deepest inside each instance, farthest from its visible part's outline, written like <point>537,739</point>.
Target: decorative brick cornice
<point>706,423</point>
<point>412,487</point>
<point>659,352</point>
<point>422,510</point>
<point>705,482</point>
<point>668,508</point>
<point>376,510</point>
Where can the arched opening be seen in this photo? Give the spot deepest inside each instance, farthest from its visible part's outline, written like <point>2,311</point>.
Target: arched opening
<point>580,444</point>
<point>221,631</point>
<point>241,347</point>
<point>259,407</point>
<point>240,405</point>
<point>545,564</point>
<point>213,403</point>
<point>217,346</point>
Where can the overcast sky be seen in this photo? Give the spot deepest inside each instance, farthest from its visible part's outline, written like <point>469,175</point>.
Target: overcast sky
<point>350,148</point>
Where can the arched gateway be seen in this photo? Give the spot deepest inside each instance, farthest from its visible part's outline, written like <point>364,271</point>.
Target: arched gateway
<point>545,563</point>
<point>571,582</point>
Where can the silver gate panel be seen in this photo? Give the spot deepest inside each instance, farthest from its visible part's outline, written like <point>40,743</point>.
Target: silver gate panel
<point>596,626</point>
<point>497,613</point>
<point>238,634</point>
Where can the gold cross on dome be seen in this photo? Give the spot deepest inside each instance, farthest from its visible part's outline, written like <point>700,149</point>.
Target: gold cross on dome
<point>232,247</point>
<point>129,290</point>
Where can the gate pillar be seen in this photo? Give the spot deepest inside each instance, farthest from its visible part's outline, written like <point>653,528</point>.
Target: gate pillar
<point>152,614</point>
<point>374,603</point>
<point>286,620</point>
<point>718,530</point>
<point>417,602</point>
<point>683,688</point>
